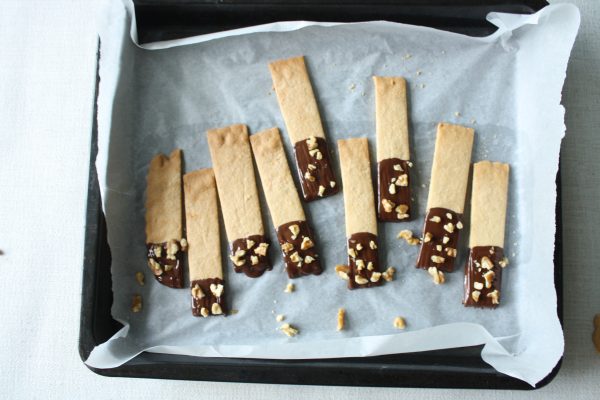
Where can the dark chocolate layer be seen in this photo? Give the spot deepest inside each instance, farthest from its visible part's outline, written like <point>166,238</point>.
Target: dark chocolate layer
<point>484,261</point>
<point>363,260</point>
<point>298,248</point>
<point>206,293</point>
<point>251,260</point>
<point>393,190</point>
<point>440,223</point>
<point>166,263</point>
<point>314,169</point>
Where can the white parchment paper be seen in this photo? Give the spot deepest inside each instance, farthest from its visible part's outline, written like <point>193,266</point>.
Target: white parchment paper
<point>158,97</point>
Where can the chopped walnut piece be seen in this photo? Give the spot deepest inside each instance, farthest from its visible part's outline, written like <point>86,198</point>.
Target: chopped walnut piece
<point>435,219</point>
<point>449,216</point>
<point>306,243</point>
<point>312,167</point>
<point>280,317</point>
<point>359,246</point>
<point>249,243</point>
<point>168,267</point>
<point>237,261</point>
<point>459,225</point>
<point>475,295</point>
<point>372,245</point>
<point>311,143</point>
<point>240,253</point>
<point>388,206</point>
<point>451,252</point>
<point>157,250</point>
<point>399,323</point>
<point>438,247</point>
<point>351,252</point>
<point>388,275</point>
<point>402,180</point>
<point>478,285</point>
<point>295,229</point>
<point>392,189</point>
<point>139,277</point>
<point>197,292</point>
<point>289,330</point>
<point>261,249</point>
<point>438,276</point>
<point>332,184</point>
<point>495,296</point>
<point>342,271</point>
<point>341,319</point>
<point>360,280</point>
<point>449,227</point>
<point>489,278</point>
<point>360,264</point>
<point>136,303</point>
<point>308,259</point>
<point>427,237</point>
<point>438,259</point>
<point>216,309</point>
<point>398,167</point>
<point>405,234</point>
<point>254,260</point>
<point>321,191</point>
<point>287,247</point>
<point>216,290</point>
<point>172,249</point>
<point>155,267</point>
<point>375,276</point>
<point>486,263</point>
<point>204,312</point>
<point>401,209</point>
<point>290,287</point>
<point>370,266</point>
<point>445,240</point>
<point>295,257</point>
<point>503,263</point>
<point>308,176</point>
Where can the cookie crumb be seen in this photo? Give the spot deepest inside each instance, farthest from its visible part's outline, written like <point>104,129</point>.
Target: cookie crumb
<point>289,330</point>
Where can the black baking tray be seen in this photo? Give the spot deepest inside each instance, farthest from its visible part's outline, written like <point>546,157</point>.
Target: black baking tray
<point>451,368</point>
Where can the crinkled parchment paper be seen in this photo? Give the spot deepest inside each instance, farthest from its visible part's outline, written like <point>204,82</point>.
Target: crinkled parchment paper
<point>507,86</point>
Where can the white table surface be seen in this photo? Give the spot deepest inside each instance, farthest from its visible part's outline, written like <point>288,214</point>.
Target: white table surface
<point>47,76</point>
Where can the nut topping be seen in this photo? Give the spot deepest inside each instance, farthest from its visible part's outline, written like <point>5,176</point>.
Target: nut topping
<point>449,227</point>
<point>435,219</point>
<point>184,244</point>
<point>289,330</point>
<point>489,278</point>
<point>478,285</point>
<point>370,266</point>
<point>388,206</point>
<point>311,143</point>
<point>451,252</point>
<point>398,167</point>
<point>295,257</point>
<point>136,303</point>
<point>216,309</point>
<point>204,312</point>
<point>332,184</point>
<point>308,259</point>
<point>306,243</point>
<point>351,252</point>
<point>427,237</point>
<point>486,263</point>
<point>495,296</point>
<point>438,276</point>
<point>375,276</point>
<point>172,249</point>
<point>287,247</point>
<point>342,271</point>
<point>216,290</point>
<point>197,292</point>
<point>438,247</point>
<point>402,180</point>
<point>360,280</point>
<point>295,229</point>
<point>249,243</point>
<point>399,323</point>
<point>437,259</point>
<point>261,249</point>
<point>392,189</point>
<point>388,275</point>
<point>321,191</point>
<point>372,245</point>
<point>475,295</point>
<point>308,176</point>
<point>312,167</point>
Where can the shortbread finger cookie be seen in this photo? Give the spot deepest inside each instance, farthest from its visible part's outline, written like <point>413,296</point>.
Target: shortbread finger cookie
<point>293,231</point>
<point>236,185</point>
<point>359,206</point>
<point>447,191</point>
<point>303,122</point>
<point>393,152</point>
<point>204,252</point>
<point>164,219</point>
<point>483,271</point>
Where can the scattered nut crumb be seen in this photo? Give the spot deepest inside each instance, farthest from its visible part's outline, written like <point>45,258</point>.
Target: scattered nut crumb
<point>407,56</point>
<point>233,312</point>
<point>392,189</point>
<point>438,276</point>
<point>399,323</point>
<point>459,225</point>
<point>427,238</point>
<point>342,271</point>
<point>254,260</point>
<point>352,86</point>
<point>419,72</point>
<point>422,86</point>
<point>408,237</point>
<point>473,121</point>
<point>388,275</point>
<point>136,303</point>
<point>341,319</point>
<point>290,288</point>
<point>280,317</point>
<point>139,277</point>
<point>503,263</point>
<point>184,244</point>
<point>289,330</point>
